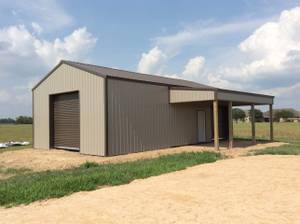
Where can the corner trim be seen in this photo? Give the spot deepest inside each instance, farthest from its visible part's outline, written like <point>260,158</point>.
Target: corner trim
<point>32,114</point>
<point>106,116</point>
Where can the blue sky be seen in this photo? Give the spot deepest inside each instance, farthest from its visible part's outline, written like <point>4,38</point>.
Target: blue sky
<point>244,45</point>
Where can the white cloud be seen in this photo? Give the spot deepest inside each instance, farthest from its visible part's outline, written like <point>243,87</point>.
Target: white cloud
<point>194,68</point>
<point>155,62</point>
<point>169,46</point>
<point>201,32</point>
<point>287,96</point>
<point>26,57</point>
<point>17,41</point>
<point>21,94</point>
<point>48,13</point>
<point>4,96</point>
<point>269,58</point>
<point>286,91</point>
<point>273,51</point>
<point>273,43</point>
<point>74,46</point>
<point>152,61</point>
<point>216,80</point>
<point>36,28</point>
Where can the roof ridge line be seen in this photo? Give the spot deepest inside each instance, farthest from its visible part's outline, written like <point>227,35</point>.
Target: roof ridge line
<point>137,73</point>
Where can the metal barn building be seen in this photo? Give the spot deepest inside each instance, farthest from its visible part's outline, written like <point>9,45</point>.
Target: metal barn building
<point>103,111</point>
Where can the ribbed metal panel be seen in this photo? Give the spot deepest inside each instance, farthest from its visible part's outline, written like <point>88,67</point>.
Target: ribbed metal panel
<point>182,96</point>
<point>65,121</point>
<point>140,118</point>
<point>92,107</point>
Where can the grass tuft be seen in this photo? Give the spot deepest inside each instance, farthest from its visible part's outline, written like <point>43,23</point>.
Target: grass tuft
<point>14,171</point>
<point>88,165</point>
<point>289,149</point>
<point>27,188</point>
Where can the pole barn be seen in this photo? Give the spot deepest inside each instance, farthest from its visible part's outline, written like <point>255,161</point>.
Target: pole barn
<point>105,112</point>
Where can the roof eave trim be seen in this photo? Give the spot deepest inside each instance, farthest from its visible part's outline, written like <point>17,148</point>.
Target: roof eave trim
<point>245,93</point>
<point>193,88</point>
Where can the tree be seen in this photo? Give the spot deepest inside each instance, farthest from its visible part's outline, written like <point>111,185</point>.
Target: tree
<point>283,114</point>
<point>23,120</point>
<point>238,114</point>
<point>258,115</point>
<point>7,121</point>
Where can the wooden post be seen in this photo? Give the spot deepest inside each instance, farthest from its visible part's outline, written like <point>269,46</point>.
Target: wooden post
<point>216,124</point>
<point>230,126</point>
<point>271,121</point>
<point>253,123</point>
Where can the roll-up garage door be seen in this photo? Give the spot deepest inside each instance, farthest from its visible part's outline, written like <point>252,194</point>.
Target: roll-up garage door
<point>66,121</point>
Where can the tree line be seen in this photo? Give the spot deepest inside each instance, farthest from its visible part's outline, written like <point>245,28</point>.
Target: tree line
<point>240,115</point>
<point>18,120</point>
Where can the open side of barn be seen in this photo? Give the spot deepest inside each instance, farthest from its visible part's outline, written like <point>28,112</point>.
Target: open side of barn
<point>105,112</point>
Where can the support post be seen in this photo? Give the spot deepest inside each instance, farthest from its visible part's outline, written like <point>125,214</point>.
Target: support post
<point>216,124</point>
<point>253,124</point>
<point>230,126</point>
<point>271,121</point>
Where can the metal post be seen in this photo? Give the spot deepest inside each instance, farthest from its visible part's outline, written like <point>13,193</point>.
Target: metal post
<point>253,123</point>
<point>271,121</point>
<point>230,126</point>
<point>216,124</point>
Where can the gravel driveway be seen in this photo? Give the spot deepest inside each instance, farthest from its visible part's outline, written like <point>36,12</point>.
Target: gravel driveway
<point>258,189</point>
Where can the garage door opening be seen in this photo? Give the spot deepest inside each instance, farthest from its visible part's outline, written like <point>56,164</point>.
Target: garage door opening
<point>65,121</point>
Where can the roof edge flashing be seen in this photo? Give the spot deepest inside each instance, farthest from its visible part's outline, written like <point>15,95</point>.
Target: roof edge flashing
<point>245,97</point>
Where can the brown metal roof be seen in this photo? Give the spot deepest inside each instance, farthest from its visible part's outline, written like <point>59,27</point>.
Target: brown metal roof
<point>122,74</point>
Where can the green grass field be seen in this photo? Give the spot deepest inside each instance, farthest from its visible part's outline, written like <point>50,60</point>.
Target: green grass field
<point>15,132</point>
<point>286,132</point>
<point>282,131</point>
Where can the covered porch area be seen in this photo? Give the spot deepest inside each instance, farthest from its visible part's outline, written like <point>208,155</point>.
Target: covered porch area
<point>222,102</point>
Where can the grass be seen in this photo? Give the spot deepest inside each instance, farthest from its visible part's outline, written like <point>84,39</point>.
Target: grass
<point>30,187</point>
<point>293,148</point>
<point>286,132</point>
<point>9,172</point>
<point>15,132</point>
<point>13,171</point>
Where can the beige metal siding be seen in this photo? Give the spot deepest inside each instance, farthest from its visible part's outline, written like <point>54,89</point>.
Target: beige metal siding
<point>181,96</point>
<point>92,107</point>
<point>244,98</point>
<point>140,118</point>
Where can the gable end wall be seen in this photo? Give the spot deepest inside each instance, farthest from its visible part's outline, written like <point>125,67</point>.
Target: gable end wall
<point>92,107</point>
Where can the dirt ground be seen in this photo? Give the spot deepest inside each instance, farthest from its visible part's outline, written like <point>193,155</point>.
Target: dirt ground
<point>257,189</point>
<point>39,159</point>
